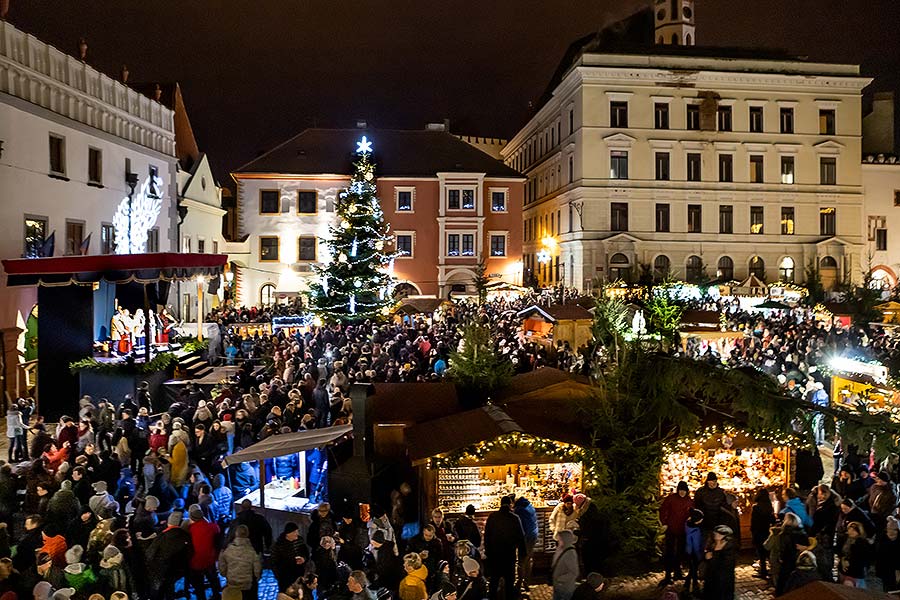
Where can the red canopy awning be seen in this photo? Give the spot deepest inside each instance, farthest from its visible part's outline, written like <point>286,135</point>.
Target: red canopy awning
<point>115,268</point>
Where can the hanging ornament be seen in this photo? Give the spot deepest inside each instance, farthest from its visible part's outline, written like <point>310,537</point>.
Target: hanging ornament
<point>385,311</point>
<point>342,258</point>
<point>379,245</point>
<point>351,209</point>
<point>353,249</point>
<point>352,305</point>
<point>325,284</point>
<point>345,224</point>
<point>369,175</point>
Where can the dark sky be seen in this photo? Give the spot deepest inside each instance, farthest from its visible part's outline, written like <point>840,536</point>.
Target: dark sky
<point>255,72</point>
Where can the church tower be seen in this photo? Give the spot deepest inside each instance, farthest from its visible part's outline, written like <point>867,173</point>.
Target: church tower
<point>674,20</point>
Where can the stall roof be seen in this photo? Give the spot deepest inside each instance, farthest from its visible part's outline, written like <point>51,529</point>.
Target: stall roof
<point>557,312</point>
<point>458,431</point>
<point>289,443</point>
<point>115,268</point>
<point>413,402</point>
<point>419,305</point>
<point>700,320</point>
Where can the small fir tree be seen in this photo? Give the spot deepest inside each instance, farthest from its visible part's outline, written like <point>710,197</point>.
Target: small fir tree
<point>477,368</point>
<point>355,284</point>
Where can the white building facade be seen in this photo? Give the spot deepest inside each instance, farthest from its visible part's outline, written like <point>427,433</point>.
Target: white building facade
<point>881,184</point>
<point>696,166</point>
<point>68,136</point>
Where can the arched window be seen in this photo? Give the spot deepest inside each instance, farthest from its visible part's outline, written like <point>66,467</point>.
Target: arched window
<point>725,268</point>
<point>687,39</point>
<point>662,40</point>
<point>674,39</point>
<point>661,266</point>
<point>758,267</point>
<point>828,262</point>
<point>619,268</point>
<point>786,269</point>
<point>693,270</point>
<point>267,294</point>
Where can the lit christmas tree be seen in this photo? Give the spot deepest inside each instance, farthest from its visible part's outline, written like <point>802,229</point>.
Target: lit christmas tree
<point>356,283</point>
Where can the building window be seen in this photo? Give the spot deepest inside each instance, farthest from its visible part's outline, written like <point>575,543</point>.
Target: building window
<point>787,120</point>
<point>756,168</point>
<point>468,244</point>
<point>826,121</point>
<point>662,166</point>
<point>758,268</point>
<point>268,248</point>
<point>306,248</point>
<point>694,218</point>
<point>661,115</point>
<point>881,239</point>
<point>498,201</point>
<point>107,238</point>
<point>618,114</point>
<point>661,267</point>
<point>307,201</point>
<point>726,167</point>
<point>662,218</point>
<point>756,119</point>
<point>786,269</point>
<point>153,172</point>
<point>787,220</point>
<point>618,164</point>
<point>571,169</point>
<point>461,199</point>
<point>498,245</point>
<point>186,246</point>
<point>725,268</point>
<point>269,201</point>
<point>74,237</point>
<point>693,116</point>
<point>404,245</point>
<point>828,170</point>
<point>404,201</point>
<point>57,155</point>
<point>95,166</point>
<point>453,244</point>
<point>726,218</point>
<point>619,267</point>
<point>267,294</point>
<point>35,236</point>
<point>693,167</point>
<point>693,271</point>
<point>787,169</point>
<point>215,247</point>
<point>153,240</point>
<point>453,199</point>
<point>201,246</point>
<point>757,216</point>
<point>618,216</point>
<point>896,197</point>
<point>724,118</point>
<point>571,121</point>
<point>827,220</point>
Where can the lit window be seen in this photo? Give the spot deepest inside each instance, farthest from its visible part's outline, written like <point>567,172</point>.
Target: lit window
<point>826,122</point>
<point>498,201</point>
<point>268,248</point>
<point>453,244</point>
<point>787,220</point>
<point>498,245</point>
<point>756,169</point>
<point>404,201</point>
<point>468,244</point>
<point>827,220</point>
<point>787,169</point>
<point>786,269</point>
<point>756,219</point>
<point>404,245</point>
<point>35,236</point>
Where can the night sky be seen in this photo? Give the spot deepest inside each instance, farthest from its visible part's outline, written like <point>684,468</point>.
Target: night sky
<point>255,72</point>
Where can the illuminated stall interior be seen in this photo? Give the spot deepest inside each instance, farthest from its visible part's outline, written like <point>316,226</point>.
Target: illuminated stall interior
<point>855,381</point>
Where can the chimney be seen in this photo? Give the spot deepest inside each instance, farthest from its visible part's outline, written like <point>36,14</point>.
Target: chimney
<point>124,74</point>
<point>82,49</point>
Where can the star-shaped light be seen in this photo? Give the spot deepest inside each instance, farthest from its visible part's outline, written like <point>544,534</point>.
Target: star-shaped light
<point>363,146</point>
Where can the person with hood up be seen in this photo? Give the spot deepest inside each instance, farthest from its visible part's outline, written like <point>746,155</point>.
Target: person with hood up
<point>55,545</point>
<point>102,501</point>
<point>473,586</point>
<point>805,572</point>
<point>564,568</point>
<point>114,573</point>
<point>793,504</point>
<point>693,549</point>
<point>385,568</point>
<point>718,583</point>
<point>289,557</point>
<point>673,514</point>
<point>78,575</point>
<point>412,587</point>
<point>762,518</point>
<point>63,506</point>
<point>710,500</point>
<point>503,541</point>
<point>222,499</point>
<point>528,516</point>
<point>240,565</point>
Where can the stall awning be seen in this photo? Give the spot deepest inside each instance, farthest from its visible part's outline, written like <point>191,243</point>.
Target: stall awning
<point>289,443</point>
<point>413,306</point>
<point>458,431</point>
<point>114,268</point>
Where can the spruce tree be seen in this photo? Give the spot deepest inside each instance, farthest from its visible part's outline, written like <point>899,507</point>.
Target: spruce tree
<point>355,284</point>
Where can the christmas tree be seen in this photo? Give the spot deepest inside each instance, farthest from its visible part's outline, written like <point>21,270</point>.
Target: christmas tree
<point>356,283</point>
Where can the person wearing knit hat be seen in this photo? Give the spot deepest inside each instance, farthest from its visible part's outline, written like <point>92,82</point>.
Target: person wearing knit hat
<point>805,572</point>
<point>590,588</point>
<point>673,514</point>
<point>204,543</point>
<point>167,558</point>
<point>470,566</point>
<point>78,575</point>
<point>64,593</point>
<point>712,501</point>
<point>175,519</point>
<point>43,590</point>
<point>119,595</point>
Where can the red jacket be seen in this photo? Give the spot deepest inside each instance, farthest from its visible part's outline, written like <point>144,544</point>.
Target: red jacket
<point>204,541</point>
<point>674,512</point>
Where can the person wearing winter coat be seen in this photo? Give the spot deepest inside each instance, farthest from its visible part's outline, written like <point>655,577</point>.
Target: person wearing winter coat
<point>806,572</point>
<point>591,588</point>
<point>78,575</point>
<point>673,514</point>
<point>289,557</point>
<point>564,515</point>
<point>762,518</point>
<point>855,555</point>
<point>325,559</point>
<point>473,586</point>
<point>825,517</point>
<point>710,500</point>
<point>881,500</point>
<point>385,568</point>
<point>593,533</point>
<point>718,582</point>
<point>793,504</point>
<point>850,513</point>
<point>412,587</point>
<point>240,565</point>
<point>429,548</point>
<point>466,528</point>
<point>784,548</point>
<point>63,507</point>
<point>693,549</point>
<point>114,573</point>
<point>564,568</point>
<point>14,431</point>
<point>205,546</point>
<point>167,558</point>
<point>222,499</point>
<point>504,540</point>
<point>887,560</point>
<point>528,516</point>
<point>323,523</point>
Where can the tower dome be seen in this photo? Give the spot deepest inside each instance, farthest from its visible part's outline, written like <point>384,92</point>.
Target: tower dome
<point>674,22</point>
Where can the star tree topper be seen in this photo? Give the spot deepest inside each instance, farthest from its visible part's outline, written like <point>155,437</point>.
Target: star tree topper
<point>363,146</point>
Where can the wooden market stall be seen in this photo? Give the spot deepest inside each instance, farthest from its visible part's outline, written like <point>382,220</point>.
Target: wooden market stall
<point>415,311</point>
<point>855,381</point>
<point>558,322</point>
<point>705,327</point>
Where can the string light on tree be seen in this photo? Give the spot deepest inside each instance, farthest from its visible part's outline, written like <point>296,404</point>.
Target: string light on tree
<point>354,286</point>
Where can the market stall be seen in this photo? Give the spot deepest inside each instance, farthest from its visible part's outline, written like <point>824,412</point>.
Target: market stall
<point>743,465</point>
<point>293,470</point>
<point>559,322</point>
<point>706,329</point>
<point>855,382</point>
<point>415,311</point>
<point>249,330</point>
<point>292,325</point>
<point>503,290</point>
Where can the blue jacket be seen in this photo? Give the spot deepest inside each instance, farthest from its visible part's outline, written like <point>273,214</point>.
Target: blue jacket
<point>526,513</point>
<point>796,506</point>
<point>693,545</point>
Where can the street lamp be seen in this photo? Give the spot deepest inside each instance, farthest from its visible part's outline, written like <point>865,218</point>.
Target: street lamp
<point>201,281</point>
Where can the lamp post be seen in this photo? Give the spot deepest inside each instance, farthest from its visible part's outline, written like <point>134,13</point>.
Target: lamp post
<point>131,179</point>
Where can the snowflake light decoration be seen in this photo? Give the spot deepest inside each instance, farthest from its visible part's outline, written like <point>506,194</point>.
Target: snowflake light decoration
<point>145,210</point>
